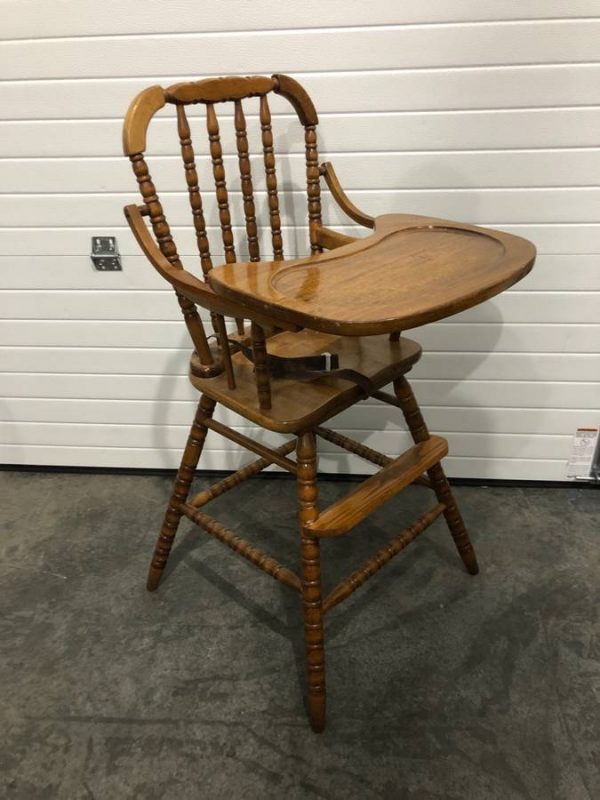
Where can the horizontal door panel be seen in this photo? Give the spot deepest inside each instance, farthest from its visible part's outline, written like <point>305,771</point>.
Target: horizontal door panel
<point>372,171</point>
<point>391,442</point>
<point>470,205</point>
<point>338,133</point>
<point>392,90</point>
<point>93,19</point>
<point>365,48</point>
<point>552,239</point>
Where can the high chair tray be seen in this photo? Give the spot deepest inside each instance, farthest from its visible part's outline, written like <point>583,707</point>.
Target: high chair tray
<point>410,271</point>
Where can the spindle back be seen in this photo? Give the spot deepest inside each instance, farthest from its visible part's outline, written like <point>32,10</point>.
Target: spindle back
<point>209,93</point>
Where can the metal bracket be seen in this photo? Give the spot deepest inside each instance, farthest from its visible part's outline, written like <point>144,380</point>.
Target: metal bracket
<point>105,254</point>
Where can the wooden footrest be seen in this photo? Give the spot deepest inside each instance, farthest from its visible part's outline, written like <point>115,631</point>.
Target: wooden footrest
<point>343,515</point>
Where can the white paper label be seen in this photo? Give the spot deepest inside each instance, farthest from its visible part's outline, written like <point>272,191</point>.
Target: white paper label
<point>582,453</point>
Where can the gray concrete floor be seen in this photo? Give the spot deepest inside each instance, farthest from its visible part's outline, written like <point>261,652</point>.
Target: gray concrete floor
<point>441,685</point>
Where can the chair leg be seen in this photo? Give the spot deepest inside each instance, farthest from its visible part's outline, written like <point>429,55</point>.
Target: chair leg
<point>418,429</point>
<point>314,639</point>
<point>181,488</point>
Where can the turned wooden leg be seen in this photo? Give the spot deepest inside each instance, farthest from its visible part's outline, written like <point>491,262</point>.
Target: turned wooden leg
<point>314,639</point>
<point>181,489</point>
<point>418,429</point>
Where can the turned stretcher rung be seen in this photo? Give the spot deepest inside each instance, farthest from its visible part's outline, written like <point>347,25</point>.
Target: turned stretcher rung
<point>256,447</point>
<point>233,480</point>
<point>388,398</point>
<point>242,547</point>
<point>343,515</point>
<point>381,558</point>
<point>361,450</point>
<point>352,446</point>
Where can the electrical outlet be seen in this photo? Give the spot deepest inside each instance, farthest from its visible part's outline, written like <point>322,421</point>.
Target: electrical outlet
<point>105,254</point>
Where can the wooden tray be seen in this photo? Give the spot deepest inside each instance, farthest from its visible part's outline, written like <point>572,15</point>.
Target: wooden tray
<point>412,270</point>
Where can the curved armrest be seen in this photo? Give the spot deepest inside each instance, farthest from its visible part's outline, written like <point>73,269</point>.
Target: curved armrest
<point>342,199</point>
<point>184,282</point>
<point>330,240</point>
<point>179,278</point>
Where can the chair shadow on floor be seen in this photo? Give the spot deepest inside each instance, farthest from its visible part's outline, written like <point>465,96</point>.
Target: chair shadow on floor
<point>283,541</point>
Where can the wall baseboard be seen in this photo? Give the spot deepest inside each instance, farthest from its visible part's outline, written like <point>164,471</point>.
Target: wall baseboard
<point>218,474</point>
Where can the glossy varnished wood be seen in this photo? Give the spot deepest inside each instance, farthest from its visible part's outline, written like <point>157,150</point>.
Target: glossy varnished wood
<point>209,92</point>
<point>346,513</point>
<point>216,154</point>
<point>241,137</point>
<point>261,371</point>
<point>141,110</point>
<point>352,302</point>
<point>187,285</point>
<point>342,199</point>
<point>251,444</point>
<point>361,450</point>
<point>271,178</point>
<point>413,270</point>
<point>181,489</point>
<point>191,178</point>
<point>233,480</point>
<point>310,551</point>
<point>381,558</point>
<point>420,433</point>
<point>296,404</point>
<point>235,542</point>
<point>297,95</point>
<point>167,249</point>
<point>219,90</point>
<point>313,187</point>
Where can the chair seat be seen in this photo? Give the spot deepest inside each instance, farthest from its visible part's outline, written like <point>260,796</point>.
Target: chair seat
<point>298,404</point>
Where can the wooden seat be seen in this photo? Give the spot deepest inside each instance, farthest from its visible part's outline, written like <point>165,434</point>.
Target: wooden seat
<point>298,404</point>
<point>325,332</point>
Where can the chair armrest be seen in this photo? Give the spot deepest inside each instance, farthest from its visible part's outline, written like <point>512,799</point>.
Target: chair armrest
<point>342,199</point>
<point>184,282</point>
<point>331,239</point>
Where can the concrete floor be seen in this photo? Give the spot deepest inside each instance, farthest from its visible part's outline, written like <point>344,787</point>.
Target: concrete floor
<point>441,685</point>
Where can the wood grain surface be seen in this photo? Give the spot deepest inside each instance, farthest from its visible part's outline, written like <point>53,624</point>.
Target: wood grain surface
<point>413,270</point>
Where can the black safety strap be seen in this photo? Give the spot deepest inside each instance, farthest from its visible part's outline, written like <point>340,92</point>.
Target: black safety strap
<point>323,365</point>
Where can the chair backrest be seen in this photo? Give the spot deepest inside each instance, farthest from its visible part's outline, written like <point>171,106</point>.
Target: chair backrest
<point>210,92</point>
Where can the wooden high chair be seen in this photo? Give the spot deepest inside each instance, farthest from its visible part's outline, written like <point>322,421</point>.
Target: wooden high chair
<point>324,333</point>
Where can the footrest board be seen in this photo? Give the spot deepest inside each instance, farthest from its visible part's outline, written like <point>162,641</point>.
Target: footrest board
<point>343,515</point>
